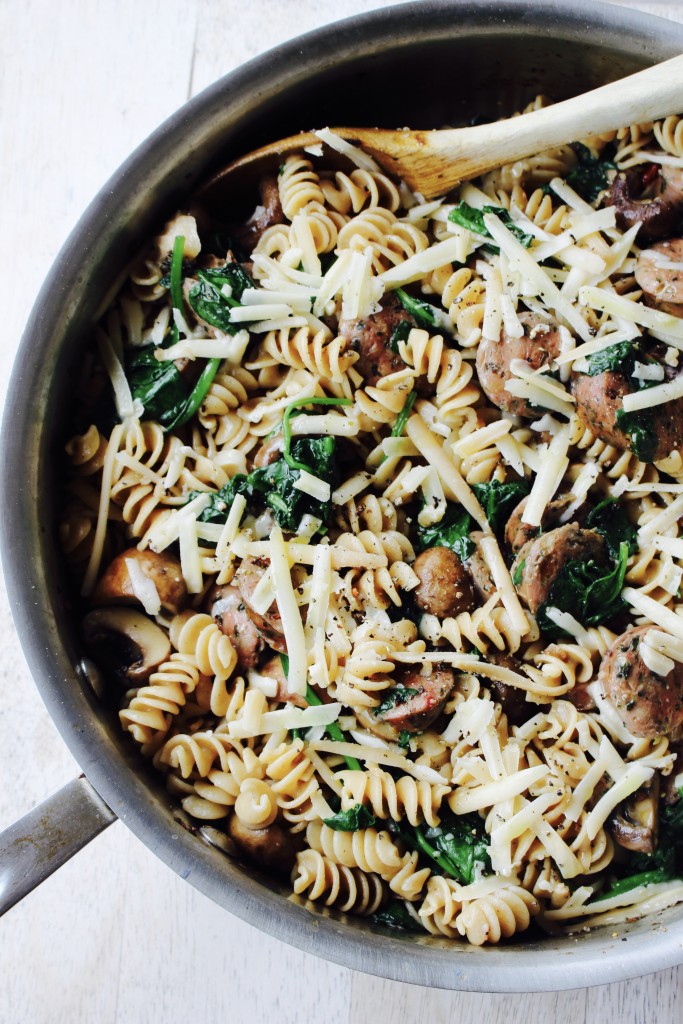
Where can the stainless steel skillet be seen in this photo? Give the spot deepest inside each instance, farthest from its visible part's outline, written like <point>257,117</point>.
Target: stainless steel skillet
<point>428,63</point>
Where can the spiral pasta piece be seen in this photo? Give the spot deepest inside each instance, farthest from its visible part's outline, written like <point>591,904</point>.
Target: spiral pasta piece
<point>347,889</point>
<point>199,636</point>
<point>498,915</point>
<point>387,797</point>
<point>305,349</point>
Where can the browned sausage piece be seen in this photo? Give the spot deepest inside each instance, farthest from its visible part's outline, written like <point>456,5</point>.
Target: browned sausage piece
<point>517,532</point>
<point>371,335</point>
<point>599,399</point>
<point>268,213</point>
<point>538,346</point>
<point>540,561</point>
<point>274,670</point>
<point>445,588</point>
<point>116,587</point>
<point>269,625</point>
<point>662,283</point>
<point>478,568</point>
<point>512,699</point>
<point>227,607</point>
<point>421,709</point>
<point>657,214</point>
<point>271,847</point>
<point>648,705</point>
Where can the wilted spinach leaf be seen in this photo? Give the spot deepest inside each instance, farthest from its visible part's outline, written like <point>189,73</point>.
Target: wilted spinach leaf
<point>589,176</point>
<point>395,915</point>
<point>354,818</point>
<point>394,697</point>
<point>232,274</point>
<point>400,333</point>
<point>469,217</point>
<point>639,428</point>
<point>425,314</point>
<point>621,357</point>
<point>275,483</point>
<point>453,531</point>
<point>588,591</point>
<point>158,385</point>
<point>498,500</point>
<point>609,519</point>
<point>464,842</point>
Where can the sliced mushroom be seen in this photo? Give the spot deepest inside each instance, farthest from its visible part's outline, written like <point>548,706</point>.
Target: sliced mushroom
<point>125,643</point>
<point>634,826</point>
<point>117,587</point>
<point>271,847</point>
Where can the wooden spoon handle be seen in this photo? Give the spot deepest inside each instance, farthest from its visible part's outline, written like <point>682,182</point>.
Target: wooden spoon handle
<point>433,162</point>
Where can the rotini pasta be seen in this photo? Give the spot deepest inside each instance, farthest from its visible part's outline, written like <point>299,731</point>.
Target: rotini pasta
<point>414,472</point>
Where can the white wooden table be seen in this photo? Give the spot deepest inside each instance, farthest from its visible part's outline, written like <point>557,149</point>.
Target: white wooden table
<point>115,937</point>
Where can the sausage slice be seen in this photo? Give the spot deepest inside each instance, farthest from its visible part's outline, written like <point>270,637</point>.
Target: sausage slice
<point>649,705</point>
<point>269,625</point>
<point>421,709</point>
<point>371,337</point>
<point>228,608</point>
<point>662,283</point>
<point>538,346</point>
<point>540,561</point>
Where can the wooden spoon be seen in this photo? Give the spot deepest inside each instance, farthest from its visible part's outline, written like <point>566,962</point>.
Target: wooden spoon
<point>433,162</point>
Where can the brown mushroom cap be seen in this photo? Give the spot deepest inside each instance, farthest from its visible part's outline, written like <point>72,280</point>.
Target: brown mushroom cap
<point>116,587</point>
<point>270,847</point>
<point>125,643</point>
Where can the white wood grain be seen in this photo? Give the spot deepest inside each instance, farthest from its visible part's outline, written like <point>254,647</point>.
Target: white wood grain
<point>115,937</point>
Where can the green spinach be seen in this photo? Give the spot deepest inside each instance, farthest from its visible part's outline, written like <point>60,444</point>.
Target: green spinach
<point>498,500</point>
<point>609,519</point>
<point>640,430</point>
<point>472,219</point>
<point>394,697</point>
<point>351,820</point>
<point>464,842</point>
<point>158,385</point>
<point>590,175</point>
<point>452,531</point>
<point>459,845</point>
<point>425,314</point>
<point>590,592</point>
<point>400,333</point>
<point>621,357</point>
<point>395,914</point>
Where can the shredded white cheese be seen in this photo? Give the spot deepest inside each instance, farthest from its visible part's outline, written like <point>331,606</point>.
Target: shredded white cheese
<point>285,718</point>
<point>143,587</point>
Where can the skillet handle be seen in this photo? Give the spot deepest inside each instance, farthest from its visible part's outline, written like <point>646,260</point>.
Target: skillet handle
<point>49,835</point>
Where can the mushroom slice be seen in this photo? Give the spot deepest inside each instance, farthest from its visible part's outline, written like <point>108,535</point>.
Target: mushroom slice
<point>635,825</point>
<point>125,643</point>
<point>121,582</point>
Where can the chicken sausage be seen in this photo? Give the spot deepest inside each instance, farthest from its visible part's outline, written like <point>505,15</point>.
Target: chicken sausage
<point>599,399</point>
<point>227,607</point>
<point>478,568</point>
<point>659,272</point>
<point>371,337</point>
<point>517,532</point>
<point>649,705</point>
<point>537,347</point>
<point>422,708</point>
<point>540,561</point>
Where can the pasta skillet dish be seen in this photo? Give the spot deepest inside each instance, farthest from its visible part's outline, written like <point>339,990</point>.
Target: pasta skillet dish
<point>374,509</point>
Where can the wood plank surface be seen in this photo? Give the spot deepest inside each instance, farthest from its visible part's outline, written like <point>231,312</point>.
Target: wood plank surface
<point>115,937</point>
